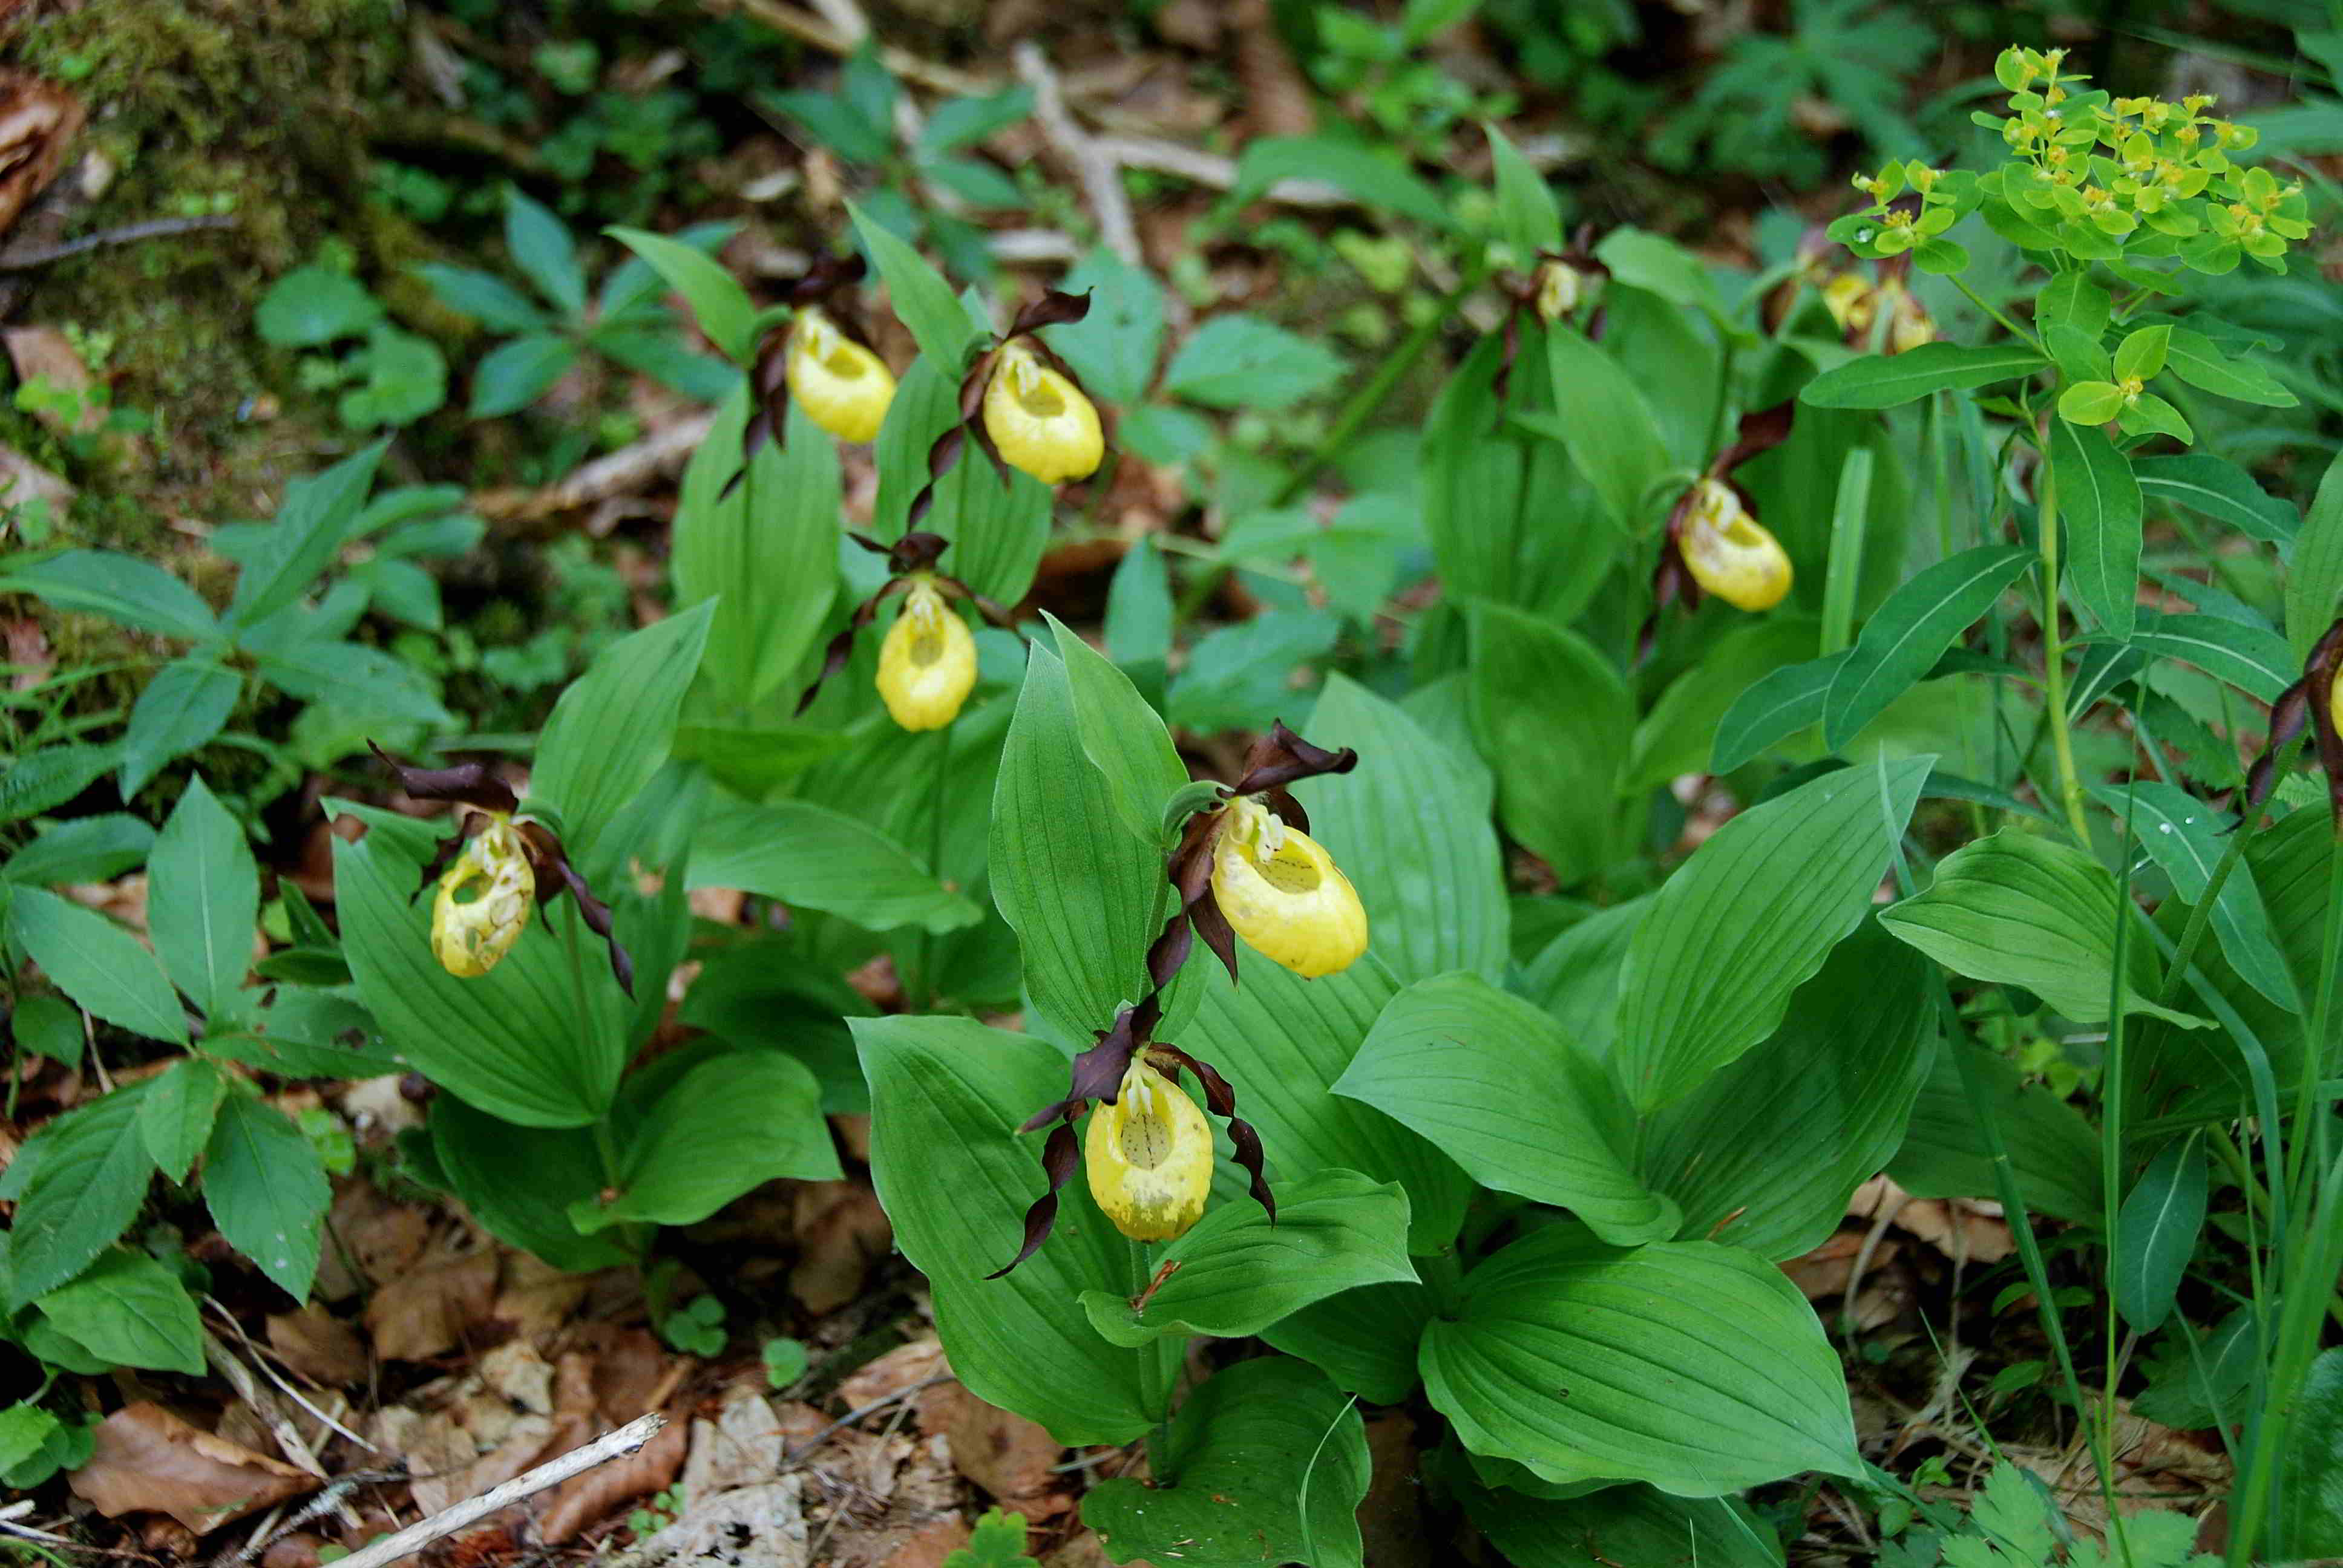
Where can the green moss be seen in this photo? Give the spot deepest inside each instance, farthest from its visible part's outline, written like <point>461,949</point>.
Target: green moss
<point>206,105</point>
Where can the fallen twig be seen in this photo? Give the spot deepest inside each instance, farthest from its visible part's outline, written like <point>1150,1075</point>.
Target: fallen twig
<point>822,35</point>
<point>1093,165</point>
<point>791,1460</point>
<point>24,257</point>
<point>611,1445</point>
<point>623,472</point>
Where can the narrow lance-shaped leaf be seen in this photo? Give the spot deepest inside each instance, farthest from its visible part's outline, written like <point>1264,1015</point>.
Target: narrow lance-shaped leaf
<point>2099,502</point>
<point>1907,636</point>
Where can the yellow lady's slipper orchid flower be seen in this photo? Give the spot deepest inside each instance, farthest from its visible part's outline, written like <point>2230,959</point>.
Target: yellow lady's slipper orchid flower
<point>1039,420</point>
<point>1851,302</point>
<point>484,902</point>
<point>1149,1157</point>
<point>843,386</point>
<point>1283,893</point>
<point>1729,554</point>
<point>928,663</point>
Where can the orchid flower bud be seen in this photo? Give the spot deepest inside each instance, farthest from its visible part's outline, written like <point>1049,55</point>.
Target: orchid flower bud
<point>1729,554</point>
<point>1149,1157</point>
<point>843,386</point>
<point>1039,420</point>
<point>1282,892</point>
<point>928,663</point>
<point>1851,302</point>
<point>1562,288</point>
<point>484,902</point>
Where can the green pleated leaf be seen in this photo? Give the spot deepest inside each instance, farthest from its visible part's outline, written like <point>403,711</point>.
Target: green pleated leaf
<point>1696,1367</point>
<point>1749,919</point>
<point>767,551</point>
<point>1410,828</point>
<point>1884,382</point>
<point>947,1095</point>
<point>521,1182</point>
<point>2156,1235</point>
<point>2311,1485</point>
<point>732,1121</point>
<point>1364,1340</point>
<point>2054,1153</point>
<point>1238,1271</point>
<point>1079,890</point>
<point>133,1312</point>
<point>176,1117</point>
<point>998,531</point>
<point>1622,1525</point>
<point>1765,1153</point>
<point>1906,636</point>
<point>266,1191</point>
<point>2018,908</point>
<point>1556,761</point>
<point>2314,583</point>
<point>509,1041</point>
<point>1775,708</point>
<point>613,727</point>
<point>1122,735</point>
<point>2099,503</point>
<point>817,859</point>
<point>1575,977</point>
<point>76,1183</point>
<point>1603,420</point>
<point>2185,839</point>
<point>1283,1041</point>
<point>205,901</point>
<point>921,299</point>
<point>1679,734</point>
<point>1495,1083</point>
<point>98,964</point>
<point>1260,1443</point>
<point>1526,215</point>
<point>184,705</point>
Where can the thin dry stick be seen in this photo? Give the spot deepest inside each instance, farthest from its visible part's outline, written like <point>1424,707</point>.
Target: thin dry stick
<point>577,1461</point>
<point>24,257</point>
<point>1102,178</point>
<point>260,1359</point>
<point>791,1461</point>
<point>813,30</point>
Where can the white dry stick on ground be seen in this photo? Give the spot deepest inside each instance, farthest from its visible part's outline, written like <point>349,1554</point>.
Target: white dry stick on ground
<point>577,1461</point>
<point>1101,180</point>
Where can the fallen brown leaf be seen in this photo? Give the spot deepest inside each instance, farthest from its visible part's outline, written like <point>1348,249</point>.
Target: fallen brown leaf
<point>759,1526</point>
<point>1007,1455</point>
<point>742,1446</point>
<point>841,1230</point>
<point>38,122</point>
<point>147,1461</point>
<point>893,1372</point>
<point>425,1311</point>
<point>584,1499</point>
<point>318,1345</point>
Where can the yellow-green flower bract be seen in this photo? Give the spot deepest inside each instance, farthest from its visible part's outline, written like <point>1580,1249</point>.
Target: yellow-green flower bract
<point>1149,1157</point>
<point>484,902</point>
<point>1729,554</point>
<point>842,387</point>
<point>1039,421</point>
<point>1283,896</point>
<point>926,666</point>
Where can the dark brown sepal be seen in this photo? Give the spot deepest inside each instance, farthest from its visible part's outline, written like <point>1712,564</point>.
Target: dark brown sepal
<point>841,646</point>
<point>467,784</point>
<point>444,853</point>
<point>1761,430</point>
<point>1281,757</point>
<point>1211,925</point>
<point>1060,1156</point>
<point>2288,714</point>
<point>2318,677</point>
<point>1054,308</point>
<point>827,274</point>
<point>596,915</point>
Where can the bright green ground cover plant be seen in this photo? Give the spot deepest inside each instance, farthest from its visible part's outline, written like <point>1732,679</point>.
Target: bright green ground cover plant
<point>1520,1154</point>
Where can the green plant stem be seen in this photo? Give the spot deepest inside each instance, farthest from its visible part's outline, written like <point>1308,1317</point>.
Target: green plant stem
<point>2303,1306</point>
<point>2114,1086</point>
<point>2310,1119</point>
<point>1155,1379</point>
<point>926,939</point>
<point>1355,413</point>
<point>1978,299</point>
<point>2054,656</point>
